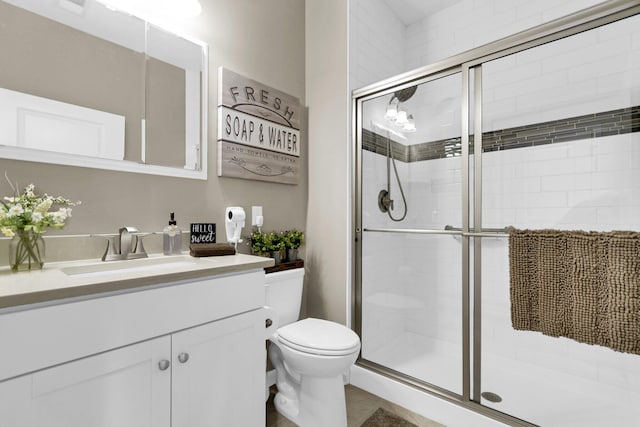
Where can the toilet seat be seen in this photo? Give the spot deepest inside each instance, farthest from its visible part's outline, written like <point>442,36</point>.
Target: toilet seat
<point>320,337</point>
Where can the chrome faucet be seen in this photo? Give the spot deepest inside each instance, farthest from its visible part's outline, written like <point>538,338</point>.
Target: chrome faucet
<point>129,245</point>
<point>127,242</point>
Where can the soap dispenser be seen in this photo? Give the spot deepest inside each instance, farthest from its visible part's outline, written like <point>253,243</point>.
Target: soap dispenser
<point>172,238</point>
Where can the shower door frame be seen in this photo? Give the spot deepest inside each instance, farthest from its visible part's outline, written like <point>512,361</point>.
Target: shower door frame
<point>464,63</point>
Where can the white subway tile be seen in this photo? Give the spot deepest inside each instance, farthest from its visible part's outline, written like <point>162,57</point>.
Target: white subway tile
<point>580,148</point>
<point>550,166</point>
<point>533,218</point>
<point>546,200</point>
<point>635,39</point>
<point>617,82</point>
<point>515,185</point>
<point>584,164</point>
<point>614,144</point>
<point>579,218</point>
<point>498,217</point>
<point>566,182</point>
<point>567,7</point>
<point>517,75</point>
<point>611,180</point>
<point>620,160</point>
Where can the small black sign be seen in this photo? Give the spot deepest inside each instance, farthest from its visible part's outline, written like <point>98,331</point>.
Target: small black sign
<point>203,233</point>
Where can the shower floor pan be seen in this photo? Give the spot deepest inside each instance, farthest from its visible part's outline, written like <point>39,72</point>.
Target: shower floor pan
<point>542,396</point>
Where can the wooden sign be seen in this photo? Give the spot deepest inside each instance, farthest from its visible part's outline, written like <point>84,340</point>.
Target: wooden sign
<point>258,131</point>
<point>202,233</point>
<point>245,129</point>
<point>258,164</point>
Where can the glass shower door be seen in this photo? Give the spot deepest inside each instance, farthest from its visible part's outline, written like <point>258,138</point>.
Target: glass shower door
<point>561,150</point>
<point>411,190</point>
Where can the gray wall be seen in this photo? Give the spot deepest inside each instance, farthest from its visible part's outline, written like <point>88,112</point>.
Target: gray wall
<point>263,40</point>
<point>328,210</point>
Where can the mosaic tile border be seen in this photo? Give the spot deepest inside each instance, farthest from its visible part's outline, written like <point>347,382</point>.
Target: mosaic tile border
<point>377,143</point>
<point>614,122</point>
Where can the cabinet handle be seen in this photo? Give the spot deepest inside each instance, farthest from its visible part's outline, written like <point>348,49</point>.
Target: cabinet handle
<point>163,365</point>
<point>183,357</point>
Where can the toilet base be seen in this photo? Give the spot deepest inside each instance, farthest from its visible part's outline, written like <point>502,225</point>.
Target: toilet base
<point>321,403</point>
<point>310,378</point>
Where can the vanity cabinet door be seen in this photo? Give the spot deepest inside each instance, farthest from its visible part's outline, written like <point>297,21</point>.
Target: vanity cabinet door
<point>219,373</point>
<point>119,388</point>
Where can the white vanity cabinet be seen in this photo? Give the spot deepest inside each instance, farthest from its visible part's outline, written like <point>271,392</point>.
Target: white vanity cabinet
<point>218,373</point>
<point>121,387</point>
<point>179,354</point>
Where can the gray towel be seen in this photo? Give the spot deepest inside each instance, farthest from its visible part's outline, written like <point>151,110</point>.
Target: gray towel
<point>576,284</point>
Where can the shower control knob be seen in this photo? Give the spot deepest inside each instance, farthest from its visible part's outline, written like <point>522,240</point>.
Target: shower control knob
<point>163,365</point>
<point>183,357</point>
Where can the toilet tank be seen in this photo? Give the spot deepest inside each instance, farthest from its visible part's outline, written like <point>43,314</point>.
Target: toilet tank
<point>283,293</point>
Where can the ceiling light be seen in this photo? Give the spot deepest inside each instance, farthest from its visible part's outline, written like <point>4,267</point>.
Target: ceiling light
<point>402,120</point>
<point>410,126</point>
<point>392,110</point>
<point>397,114</point>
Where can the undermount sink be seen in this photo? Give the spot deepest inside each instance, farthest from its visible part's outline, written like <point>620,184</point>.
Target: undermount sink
<point>147,265</point>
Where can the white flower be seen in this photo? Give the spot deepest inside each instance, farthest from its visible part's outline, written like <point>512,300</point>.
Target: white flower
<point>61,215</point>
<point>44,206</point>
<point>57,217</point>
<point>15,210</point>
<point>30,211</point>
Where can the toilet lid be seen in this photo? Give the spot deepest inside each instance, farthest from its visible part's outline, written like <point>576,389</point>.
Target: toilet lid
<point>319,337</point>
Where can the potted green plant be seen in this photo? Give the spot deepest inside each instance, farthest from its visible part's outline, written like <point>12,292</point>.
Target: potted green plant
<point>267,244</point>
<point>259,244</point>
<point>293,239</point>
<point>276,244</point>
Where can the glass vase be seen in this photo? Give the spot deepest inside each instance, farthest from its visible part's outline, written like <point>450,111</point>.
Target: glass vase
<point>26,251</point>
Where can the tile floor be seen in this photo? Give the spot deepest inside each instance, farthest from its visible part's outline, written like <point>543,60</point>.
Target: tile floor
<point>360,406</point>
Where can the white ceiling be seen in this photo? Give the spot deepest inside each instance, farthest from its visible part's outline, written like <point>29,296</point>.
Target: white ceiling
<point>411,11</point>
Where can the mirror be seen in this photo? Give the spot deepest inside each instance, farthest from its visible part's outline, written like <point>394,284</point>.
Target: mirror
<point>82,84</point>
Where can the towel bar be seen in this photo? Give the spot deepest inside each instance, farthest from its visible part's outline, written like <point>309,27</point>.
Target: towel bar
<point>448,229</point>
<point>485,232</point>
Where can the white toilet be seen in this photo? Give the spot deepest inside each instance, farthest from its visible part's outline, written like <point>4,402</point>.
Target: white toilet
<point>310,357</point>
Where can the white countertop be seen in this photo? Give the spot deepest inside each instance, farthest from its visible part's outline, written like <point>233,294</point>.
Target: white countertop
<point>51,284</point>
